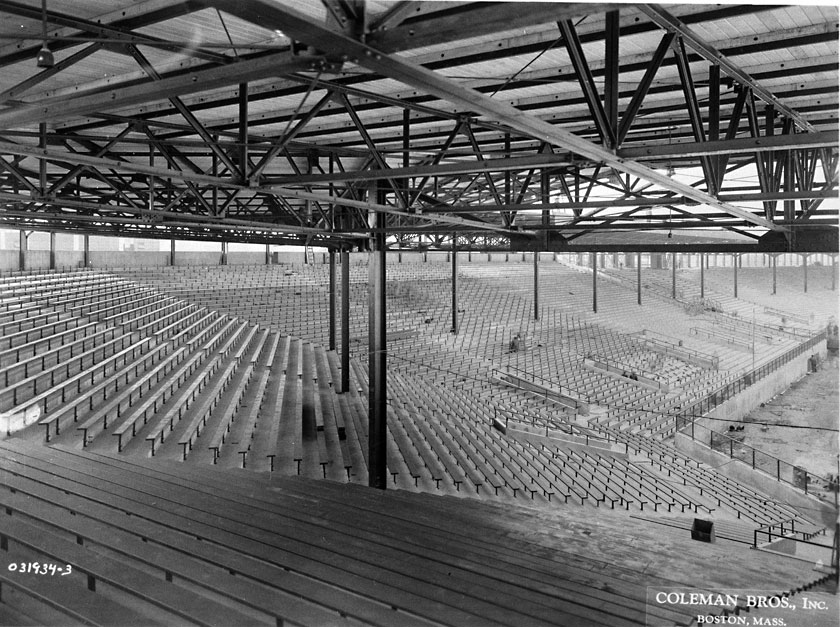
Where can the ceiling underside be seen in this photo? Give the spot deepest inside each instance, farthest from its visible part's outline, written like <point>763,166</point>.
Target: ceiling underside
<point>504,124</point>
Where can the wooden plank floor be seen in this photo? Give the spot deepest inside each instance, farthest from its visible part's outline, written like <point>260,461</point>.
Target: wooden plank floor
<point>154,537</point>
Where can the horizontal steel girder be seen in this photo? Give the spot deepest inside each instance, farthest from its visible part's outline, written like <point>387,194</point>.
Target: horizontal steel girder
<point>61,108</point>
<point>124,166</point>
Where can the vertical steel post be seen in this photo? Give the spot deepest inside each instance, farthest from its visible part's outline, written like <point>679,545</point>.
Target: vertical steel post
<point>243,131</point>
<point>536,285</point>
<point>377,399</point>
<point>805,272</point>
<point>86,249</point>
<point>639,278</point>
<point>702,270</point>
<point>172,252</point>
<point>673,275</point>
<point>52,250</point>
<point>22,250</point>
<point>594,282</point>
<point>454,263</point>
<point>42,163</point>
<point>775,259</point>
<point>735,274</point>
<point>268,254</point>
<point>332,302</point>
<point>345,320</point>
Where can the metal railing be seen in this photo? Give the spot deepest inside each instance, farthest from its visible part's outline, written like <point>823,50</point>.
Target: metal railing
<point>781,470</point>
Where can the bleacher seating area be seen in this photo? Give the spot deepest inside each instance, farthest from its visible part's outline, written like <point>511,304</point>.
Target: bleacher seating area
<point>222,377</point>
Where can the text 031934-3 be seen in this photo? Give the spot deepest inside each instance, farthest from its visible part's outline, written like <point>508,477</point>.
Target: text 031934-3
<point>39,568</point>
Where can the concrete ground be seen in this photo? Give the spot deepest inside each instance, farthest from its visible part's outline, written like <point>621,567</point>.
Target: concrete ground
<point>813,402</point>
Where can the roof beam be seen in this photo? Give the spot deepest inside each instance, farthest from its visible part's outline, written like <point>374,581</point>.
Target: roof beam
<point>192,178</point>
<point>799,141</point>
<point>304,28</point>
<point>436,169</point>
<point>483,19</point>
<point>120,96</point>
<point>658,15</point>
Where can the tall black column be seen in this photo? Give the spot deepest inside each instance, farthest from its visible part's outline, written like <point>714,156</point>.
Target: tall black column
<point>775,259</point>
<point>332,301</point>
<point>345,320</point>
<point>22,251</point>
<point>805,272</point>
<point>702,270</point>
<point>536,286</point>
<point>86,250</point>
<point>377,399</point>
<point>639,278</point>
<point>673,275</point>
<point>52,250</point>
<point>454,263</point>
<point>594,259</point>
<point>172,252</point>
<point>735,274</point>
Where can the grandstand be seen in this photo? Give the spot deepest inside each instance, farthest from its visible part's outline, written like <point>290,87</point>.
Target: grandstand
<point>498,361</point>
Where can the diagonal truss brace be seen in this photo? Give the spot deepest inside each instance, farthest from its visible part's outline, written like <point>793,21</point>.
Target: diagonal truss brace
<point>304,28</point>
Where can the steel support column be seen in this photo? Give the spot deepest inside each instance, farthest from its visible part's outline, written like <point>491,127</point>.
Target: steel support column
<point>345,320</point>
<point>52,250</point>
<point>224,257</point>
<point>805,273</point>
<point>536,285</point>
<point>702,271</point>
<point>775,259</point>
<point>735,274</point>
<point>673,275</point>
<point>594,259</point>
<point>268,254</point>
<point>639,278</point>
<point>377,363</point>
<point>454,283</point>
<point>22,251</point>
<point>172,252</point>
<point>243,132</point>
<point>332,302</point>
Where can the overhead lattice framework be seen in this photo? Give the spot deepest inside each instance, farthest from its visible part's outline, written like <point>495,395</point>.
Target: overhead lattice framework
<point>527,126</point>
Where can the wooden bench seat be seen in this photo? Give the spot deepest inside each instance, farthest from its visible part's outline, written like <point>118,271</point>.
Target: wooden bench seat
<point>20,370</point>
<point>228,569</point>
<point>30,322</point>
<point>162,328</point>
<point>230,410</point>
<point>84,400</point>
<point>99,301</point>
<point>153,399</point>
<point>180,402</point>
<point>17,393</point>
<point>100,568</point>
<point>20,352</point>
<point>8,342</point>
<point>251,419</point>
<point>201,413</point>
<point>136,386</point>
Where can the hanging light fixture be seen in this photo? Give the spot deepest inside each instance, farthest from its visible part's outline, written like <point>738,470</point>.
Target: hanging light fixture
<point>45,57</point>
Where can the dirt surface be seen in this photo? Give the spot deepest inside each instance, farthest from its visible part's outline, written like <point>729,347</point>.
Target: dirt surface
<point>814,402</point>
